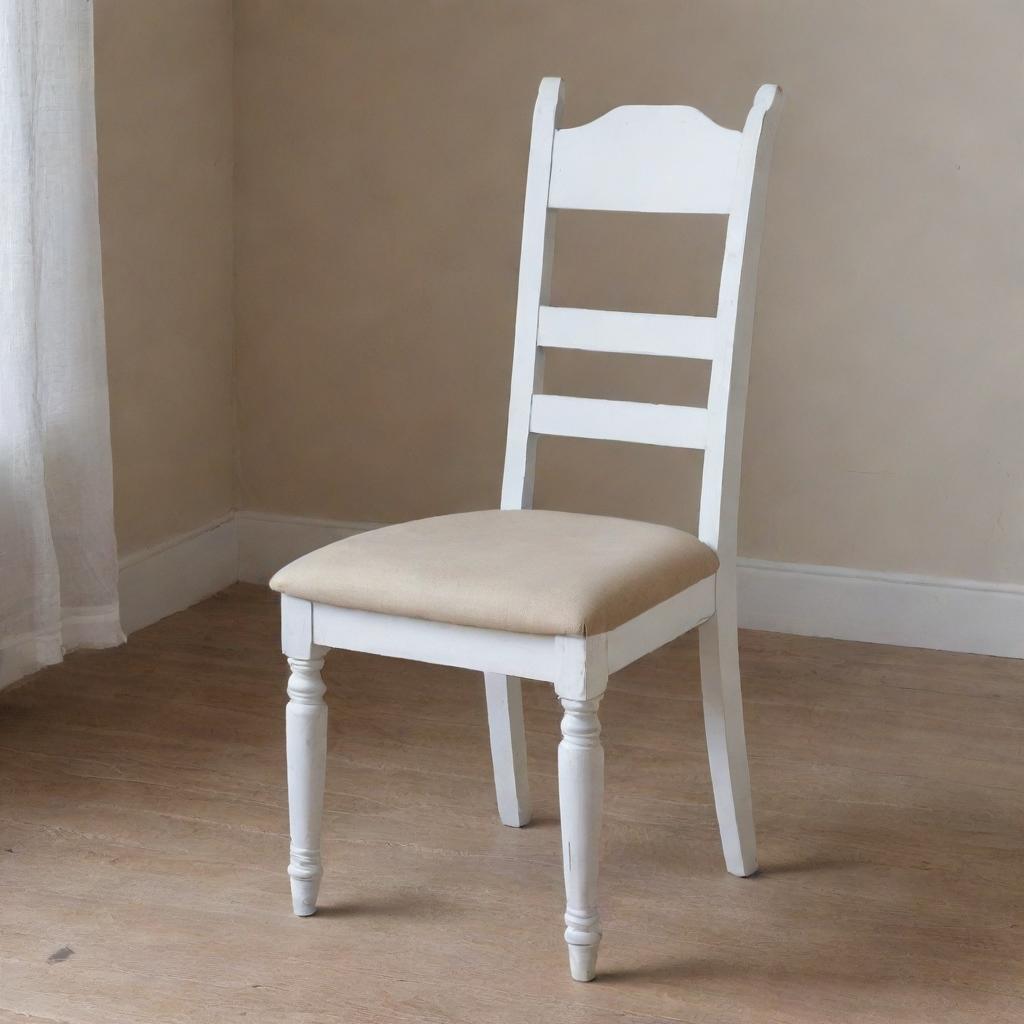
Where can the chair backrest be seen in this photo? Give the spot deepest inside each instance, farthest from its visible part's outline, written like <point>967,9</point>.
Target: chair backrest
<point>655,160</point>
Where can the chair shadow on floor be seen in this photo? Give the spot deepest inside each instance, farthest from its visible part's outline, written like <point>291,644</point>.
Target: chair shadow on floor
<point>801,867</point>
<point>401,904</point>
<point>925,908</point>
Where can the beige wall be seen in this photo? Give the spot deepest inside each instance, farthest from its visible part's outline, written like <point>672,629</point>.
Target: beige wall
<point>380,158</point>
<point>382,149</point>
<point>164,123</point>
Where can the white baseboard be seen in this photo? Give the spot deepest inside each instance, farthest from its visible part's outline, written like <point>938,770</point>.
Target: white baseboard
<point>883,608</point>
<point>178,573</point>
<point>266,541</point>
<point>809,600</point>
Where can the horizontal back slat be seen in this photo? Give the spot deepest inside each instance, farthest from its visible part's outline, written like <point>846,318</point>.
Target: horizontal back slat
<point>640,334</point>
<point>648,160</point>
<point>676,426</point>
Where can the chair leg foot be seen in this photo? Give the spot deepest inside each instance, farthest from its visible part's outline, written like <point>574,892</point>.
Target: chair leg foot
<point>304,872</point>
<point>583,962</point>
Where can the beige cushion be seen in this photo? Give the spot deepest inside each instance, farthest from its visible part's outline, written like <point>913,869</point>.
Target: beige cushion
<point>552,573</point>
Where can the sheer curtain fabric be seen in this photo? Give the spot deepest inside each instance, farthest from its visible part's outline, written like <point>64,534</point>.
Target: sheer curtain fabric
<point>58,560</point>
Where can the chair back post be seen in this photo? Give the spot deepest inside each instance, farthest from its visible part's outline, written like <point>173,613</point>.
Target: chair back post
<point>667,159</point>
<point>730,369</point>
<point>534,284</point>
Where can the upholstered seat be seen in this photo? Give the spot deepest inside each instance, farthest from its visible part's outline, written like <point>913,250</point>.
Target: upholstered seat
<point>529,571</point>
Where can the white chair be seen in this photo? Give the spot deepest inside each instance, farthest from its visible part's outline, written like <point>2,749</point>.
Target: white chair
<point>558,597</point>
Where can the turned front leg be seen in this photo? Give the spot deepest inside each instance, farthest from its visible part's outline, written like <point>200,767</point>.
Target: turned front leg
<point>306,719</point>
<point>580,794</point>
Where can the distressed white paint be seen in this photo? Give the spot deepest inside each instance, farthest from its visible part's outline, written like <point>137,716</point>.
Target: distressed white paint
<point>580,799</point>
<point>641,158</point>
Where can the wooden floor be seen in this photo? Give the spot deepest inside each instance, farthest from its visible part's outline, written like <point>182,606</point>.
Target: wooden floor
<point>143,842</point>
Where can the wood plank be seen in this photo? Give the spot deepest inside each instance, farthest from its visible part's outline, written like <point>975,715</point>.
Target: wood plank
<point>142,796</point>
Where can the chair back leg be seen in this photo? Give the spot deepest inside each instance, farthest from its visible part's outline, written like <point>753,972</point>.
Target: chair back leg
<point>727,745</point>
<point>508,747</point>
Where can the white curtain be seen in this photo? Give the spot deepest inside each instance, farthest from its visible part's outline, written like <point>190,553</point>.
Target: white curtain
<point>58,560</point>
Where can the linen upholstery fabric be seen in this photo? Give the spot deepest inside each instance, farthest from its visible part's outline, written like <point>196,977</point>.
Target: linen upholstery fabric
<point>529,571</point>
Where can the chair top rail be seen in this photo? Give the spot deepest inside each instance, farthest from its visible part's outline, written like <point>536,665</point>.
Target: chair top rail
<point>668,159</point>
